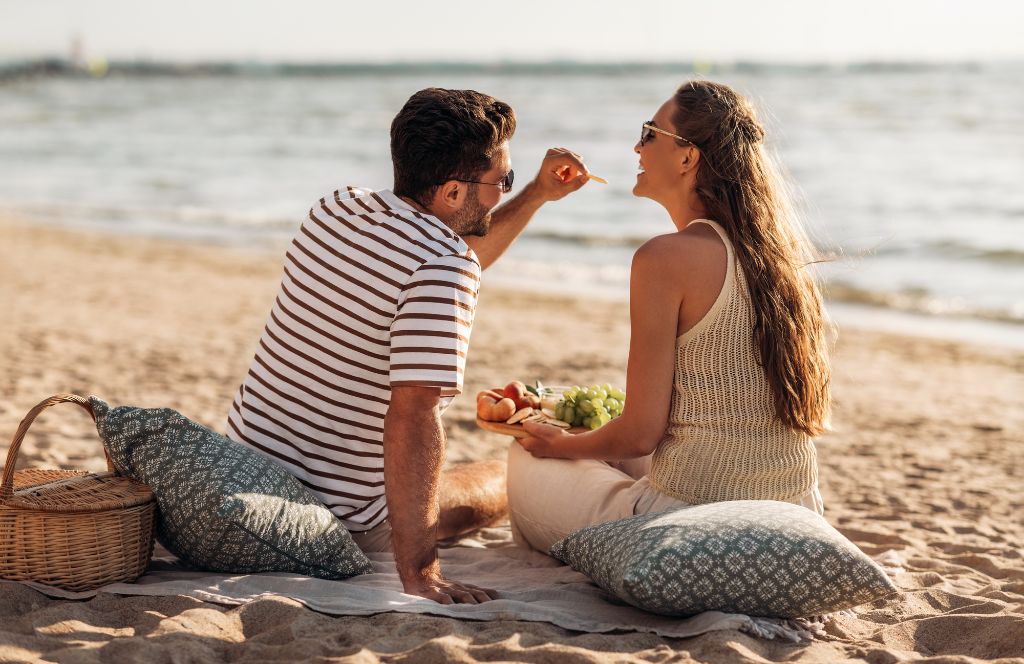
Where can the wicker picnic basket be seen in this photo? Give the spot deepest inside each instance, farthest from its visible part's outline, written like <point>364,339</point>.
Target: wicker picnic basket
<point>72,529</point>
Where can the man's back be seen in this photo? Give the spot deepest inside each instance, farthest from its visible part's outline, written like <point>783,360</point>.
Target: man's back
<point>374,294</point>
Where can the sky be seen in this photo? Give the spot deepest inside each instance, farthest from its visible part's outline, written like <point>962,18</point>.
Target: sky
<point>522,30</point>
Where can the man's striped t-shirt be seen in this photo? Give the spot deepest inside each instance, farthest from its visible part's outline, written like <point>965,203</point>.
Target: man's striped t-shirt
<point>374,294</point>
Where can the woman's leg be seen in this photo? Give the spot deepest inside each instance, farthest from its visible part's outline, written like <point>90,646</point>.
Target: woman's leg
<point>550,498</point>
<point>635,468</point>
<point>650,500</point>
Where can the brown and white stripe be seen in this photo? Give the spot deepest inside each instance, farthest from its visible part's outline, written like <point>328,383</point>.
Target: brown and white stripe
<point>374,294</point>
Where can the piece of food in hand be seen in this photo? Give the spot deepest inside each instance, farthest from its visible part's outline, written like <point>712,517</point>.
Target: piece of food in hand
<point>494,410</point>
<point>520,415</point>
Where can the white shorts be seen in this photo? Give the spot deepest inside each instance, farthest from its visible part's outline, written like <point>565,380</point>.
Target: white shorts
<point>550,498</point>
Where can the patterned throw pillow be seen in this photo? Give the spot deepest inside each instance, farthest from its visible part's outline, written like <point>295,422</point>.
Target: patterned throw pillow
<point>222,506</point>
<point>757,557</point>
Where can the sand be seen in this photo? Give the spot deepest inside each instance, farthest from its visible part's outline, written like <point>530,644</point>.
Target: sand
<point>926,459</point>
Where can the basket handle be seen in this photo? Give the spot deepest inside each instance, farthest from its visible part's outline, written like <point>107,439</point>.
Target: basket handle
<point>7,483</point>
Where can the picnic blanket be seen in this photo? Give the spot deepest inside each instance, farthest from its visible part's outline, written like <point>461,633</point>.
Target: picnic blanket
<point>531,585</point>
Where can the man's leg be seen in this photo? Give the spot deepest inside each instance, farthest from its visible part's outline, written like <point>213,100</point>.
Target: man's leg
<point>472,496</point>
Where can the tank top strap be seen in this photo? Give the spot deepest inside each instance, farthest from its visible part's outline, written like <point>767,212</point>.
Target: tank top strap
<point>721,233</point>
<point>727,285</point>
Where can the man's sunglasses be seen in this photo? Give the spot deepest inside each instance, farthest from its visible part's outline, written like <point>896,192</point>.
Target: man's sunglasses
<point>505,183</point>
<point>648,130</point>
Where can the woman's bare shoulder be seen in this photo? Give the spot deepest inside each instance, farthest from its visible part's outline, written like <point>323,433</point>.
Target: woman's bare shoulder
<point>697,247</point>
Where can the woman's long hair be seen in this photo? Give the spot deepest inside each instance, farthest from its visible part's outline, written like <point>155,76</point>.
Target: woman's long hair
<point>741,188</point>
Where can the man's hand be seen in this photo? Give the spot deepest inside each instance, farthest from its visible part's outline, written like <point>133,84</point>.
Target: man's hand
<point>561,173</point>
<point>413,456</point>
<point>444,591</point>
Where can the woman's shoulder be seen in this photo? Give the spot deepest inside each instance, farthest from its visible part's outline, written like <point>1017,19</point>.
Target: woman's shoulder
<point>698,247</point>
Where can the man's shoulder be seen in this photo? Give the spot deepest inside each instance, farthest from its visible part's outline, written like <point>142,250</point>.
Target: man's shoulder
<point>353,200</point>
<point>421,233</point>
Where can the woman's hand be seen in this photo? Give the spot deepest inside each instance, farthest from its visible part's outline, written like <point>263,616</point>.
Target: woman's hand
<point>543,440</point>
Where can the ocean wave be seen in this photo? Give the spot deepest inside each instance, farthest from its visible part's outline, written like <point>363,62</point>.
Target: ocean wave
<point>944,249</point>
<point>588,239</point>
<point>194,216</point>
<point>951,249</point>
<point>922,302</point>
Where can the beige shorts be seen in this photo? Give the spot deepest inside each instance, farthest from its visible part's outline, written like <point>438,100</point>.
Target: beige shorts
<point>374,540</point>
<point>550,498</point>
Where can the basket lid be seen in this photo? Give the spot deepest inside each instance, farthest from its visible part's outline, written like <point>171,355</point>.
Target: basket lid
<point>71,491</point>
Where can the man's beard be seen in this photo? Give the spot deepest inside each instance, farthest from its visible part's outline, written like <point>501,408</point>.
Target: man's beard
<point>473,219</point>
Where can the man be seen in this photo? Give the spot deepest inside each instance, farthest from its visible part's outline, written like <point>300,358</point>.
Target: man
<point>366,342</point>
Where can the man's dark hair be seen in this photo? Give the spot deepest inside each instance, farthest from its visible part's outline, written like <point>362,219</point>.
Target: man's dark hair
<point>442,135</point>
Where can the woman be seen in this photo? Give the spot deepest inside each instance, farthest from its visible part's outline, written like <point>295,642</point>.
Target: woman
<point>728,375</point>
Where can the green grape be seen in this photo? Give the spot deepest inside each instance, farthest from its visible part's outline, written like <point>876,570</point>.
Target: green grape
<point>591,406</point>
<point>568,414</point>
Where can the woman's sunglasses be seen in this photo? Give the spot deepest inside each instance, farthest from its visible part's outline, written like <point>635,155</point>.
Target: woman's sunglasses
<point>648,130</point>
<point>505,183</point>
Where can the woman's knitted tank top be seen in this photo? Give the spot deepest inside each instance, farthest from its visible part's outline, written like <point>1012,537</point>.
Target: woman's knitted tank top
<point>724,440</point>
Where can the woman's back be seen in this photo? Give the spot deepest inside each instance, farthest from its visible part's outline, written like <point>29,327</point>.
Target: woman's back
<point>724,439</point>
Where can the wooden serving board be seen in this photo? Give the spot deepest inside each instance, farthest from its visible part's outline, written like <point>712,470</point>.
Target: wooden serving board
<point>515,430</point>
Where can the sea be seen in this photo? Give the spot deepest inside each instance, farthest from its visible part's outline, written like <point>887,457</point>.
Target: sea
<point>909,177</point>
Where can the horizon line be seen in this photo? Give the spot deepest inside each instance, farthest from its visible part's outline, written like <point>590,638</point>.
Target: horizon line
<point>480,63</point>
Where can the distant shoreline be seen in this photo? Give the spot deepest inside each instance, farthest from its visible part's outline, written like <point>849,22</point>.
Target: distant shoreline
<point>38,67</point>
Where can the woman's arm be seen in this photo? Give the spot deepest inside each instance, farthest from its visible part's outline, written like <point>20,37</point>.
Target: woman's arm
<point>655,295</point>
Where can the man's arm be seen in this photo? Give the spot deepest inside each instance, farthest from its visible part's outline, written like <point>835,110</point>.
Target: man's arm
<point>561,173</point>
<point>413,456</point>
